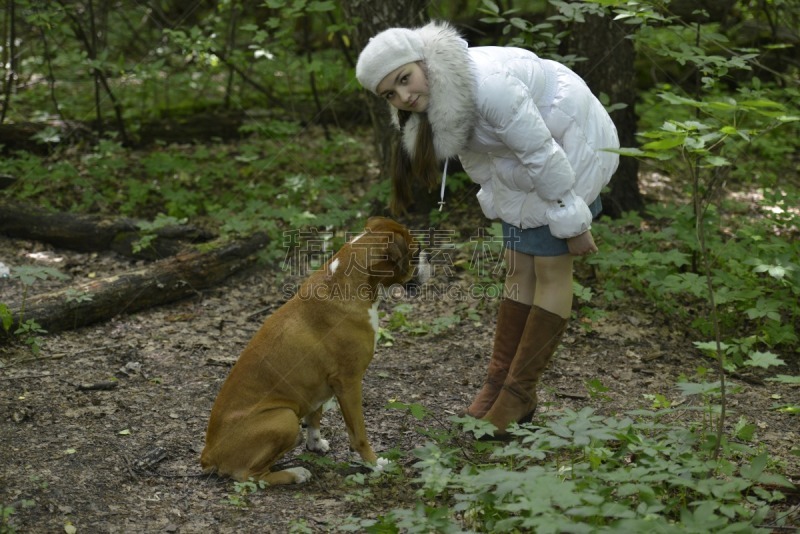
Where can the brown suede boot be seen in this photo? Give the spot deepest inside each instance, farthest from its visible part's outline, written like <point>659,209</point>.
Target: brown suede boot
<point>517,399</point>
<point>511,318</point>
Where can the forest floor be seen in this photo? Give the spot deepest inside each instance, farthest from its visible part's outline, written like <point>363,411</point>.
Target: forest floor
<point>72,457</point>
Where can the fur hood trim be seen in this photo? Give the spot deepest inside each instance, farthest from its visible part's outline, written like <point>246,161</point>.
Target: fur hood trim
<point>451,109</point>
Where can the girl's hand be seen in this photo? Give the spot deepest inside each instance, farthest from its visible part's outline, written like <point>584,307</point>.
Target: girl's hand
<point>582,245</point>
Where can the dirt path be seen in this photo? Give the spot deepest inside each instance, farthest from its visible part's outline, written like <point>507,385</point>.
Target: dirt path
<point>74,455</point>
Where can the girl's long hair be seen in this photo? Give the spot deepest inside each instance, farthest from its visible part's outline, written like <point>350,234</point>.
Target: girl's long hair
<point>422,170</point>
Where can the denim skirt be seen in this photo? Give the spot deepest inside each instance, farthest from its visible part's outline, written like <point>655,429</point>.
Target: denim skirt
<point>539,241</point>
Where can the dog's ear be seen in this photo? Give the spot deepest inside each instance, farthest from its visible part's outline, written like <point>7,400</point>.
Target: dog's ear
<point>397,249</point>
<point>398,245</point>
<point>381,224</point>
<point>376,220</point>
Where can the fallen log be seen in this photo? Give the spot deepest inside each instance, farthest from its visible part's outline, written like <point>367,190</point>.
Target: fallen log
<point>90,233</point>
<point>159,283</point>
<point>43,137</point>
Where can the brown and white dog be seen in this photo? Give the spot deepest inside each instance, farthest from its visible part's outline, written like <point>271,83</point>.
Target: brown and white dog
<point>316,346</point>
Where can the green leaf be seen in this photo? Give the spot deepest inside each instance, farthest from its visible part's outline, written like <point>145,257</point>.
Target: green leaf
<point>711,346</point>
<point>761,104</point>
<point>702,388</point>
<point>744,431</point>
<point>672,98</point>
<point>755,472</point>
<point>28,274</point>
<point>478,427</point>
<point>763,360</point>
<point>417,411</point>
<point>522,24</point>
<point>665,144</point>
<point>320,7</point>
<point>6,319</point>
<point>716,161</point>
<point>491,7</point>
<point>722,106</point>
<point>785,379</point>
<point>776,271</point>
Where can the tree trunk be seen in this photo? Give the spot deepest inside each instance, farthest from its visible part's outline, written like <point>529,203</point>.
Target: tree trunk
<point>609,69</point>
<point>9,57</point>
<point>159,283</point>
<point>90,233</point>
<point>374,17</point>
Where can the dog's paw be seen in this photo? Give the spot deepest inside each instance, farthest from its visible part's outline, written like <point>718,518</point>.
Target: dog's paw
<point>301,474</point>
<point>318,445</point>
<point>315,443</point>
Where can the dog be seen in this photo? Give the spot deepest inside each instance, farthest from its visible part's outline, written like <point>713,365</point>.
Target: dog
<point>316,346</point>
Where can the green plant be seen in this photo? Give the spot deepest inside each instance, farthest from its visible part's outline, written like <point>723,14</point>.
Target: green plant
<point>6,511</point>
<point>369,484</point>
<point>757,308</point>
<point>359,493</point>
<point>579,471</point>
<point>148,230</point>
<point>541,38</point>
<point>597,390</point>
<point>6,527</point>
<point>6,317</point>
<point>28,330</point>
<point>242,491</point>
<point>300,526</point>
<point>73,296</point>
<point>399,321</point>
<point>416,410</point>
<point>321,462</point>
<point>703,145</point>
<point>587,315</point>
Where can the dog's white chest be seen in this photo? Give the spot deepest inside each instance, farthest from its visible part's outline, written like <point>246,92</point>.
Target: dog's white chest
<point>373,320</point>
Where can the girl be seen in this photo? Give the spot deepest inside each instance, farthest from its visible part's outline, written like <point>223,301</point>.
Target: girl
<point>532,135</point>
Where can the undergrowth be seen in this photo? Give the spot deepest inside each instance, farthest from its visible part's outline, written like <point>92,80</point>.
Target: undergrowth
<point>580,471</point>
<point>234,188</point>
<point>756,273</point>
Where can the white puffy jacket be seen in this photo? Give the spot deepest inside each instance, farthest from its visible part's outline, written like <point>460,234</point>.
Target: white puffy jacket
<point>527,130</point>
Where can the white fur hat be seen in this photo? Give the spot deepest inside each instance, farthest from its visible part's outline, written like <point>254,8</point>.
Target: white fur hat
<point>386,52</point>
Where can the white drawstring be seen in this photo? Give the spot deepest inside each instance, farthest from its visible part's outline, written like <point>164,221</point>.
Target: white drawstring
<point>444,181</point>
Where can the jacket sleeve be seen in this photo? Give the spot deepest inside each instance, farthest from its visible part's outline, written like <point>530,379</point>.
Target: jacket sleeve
<point>543,165</point>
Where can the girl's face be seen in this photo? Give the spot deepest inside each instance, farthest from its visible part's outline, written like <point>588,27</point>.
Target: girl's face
<point>406,88</point>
